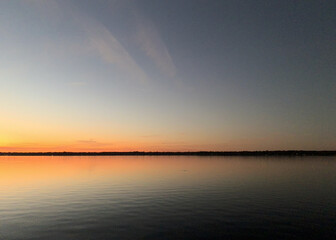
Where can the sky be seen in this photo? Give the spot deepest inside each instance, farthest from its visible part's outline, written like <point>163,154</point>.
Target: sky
<point>177,75</point>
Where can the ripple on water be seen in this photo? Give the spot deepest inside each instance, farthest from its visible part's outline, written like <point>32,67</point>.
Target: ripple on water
<point>228,199</point>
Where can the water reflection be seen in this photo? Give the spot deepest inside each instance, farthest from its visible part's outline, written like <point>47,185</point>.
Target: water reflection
<point>166,197</point>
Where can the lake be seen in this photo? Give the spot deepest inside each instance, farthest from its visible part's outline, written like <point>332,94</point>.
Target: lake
<point>167,197</point>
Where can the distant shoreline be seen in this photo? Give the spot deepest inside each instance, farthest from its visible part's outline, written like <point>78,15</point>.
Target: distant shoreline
<point>199,153</point>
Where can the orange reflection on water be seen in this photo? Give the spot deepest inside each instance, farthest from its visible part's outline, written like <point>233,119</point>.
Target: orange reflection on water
<point>55,172</point>
<point>52,171</point>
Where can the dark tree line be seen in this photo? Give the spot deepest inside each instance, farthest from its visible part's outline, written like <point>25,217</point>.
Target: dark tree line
<point>199,153</point>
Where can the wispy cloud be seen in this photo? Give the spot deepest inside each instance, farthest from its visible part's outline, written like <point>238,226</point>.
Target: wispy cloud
<point>146,36</point>
<point>100,39</point>
<point>150,41</point>
<point>111,51</point>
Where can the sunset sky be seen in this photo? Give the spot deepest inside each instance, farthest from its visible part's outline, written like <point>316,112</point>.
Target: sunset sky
<point>175,75</point>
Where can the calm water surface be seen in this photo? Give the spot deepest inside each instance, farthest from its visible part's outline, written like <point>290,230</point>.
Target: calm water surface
<point>167,197</point>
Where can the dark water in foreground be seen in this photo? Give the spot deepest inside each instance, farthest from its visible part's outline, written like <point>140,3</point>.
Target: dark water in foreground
<point>167,197</point>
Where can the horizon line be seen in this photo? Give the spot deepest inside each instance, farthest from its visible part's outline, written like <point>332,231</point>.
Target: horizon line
<point>177,153</point>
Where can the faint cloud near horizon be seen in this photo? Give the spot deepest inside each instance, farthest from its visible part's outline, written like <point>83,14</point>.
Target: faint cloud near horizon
<point>93,142</point>
<point>87,141</point>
